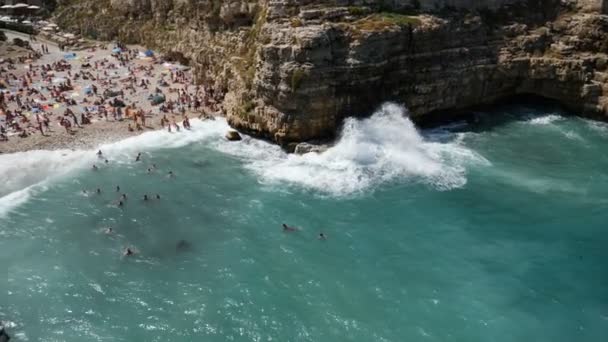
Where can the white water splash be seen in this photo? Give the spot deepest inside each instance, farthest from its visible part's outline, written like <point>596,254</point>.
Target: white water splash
<point>546,119</point>
<point>382,148</point>
<point>369,152</point>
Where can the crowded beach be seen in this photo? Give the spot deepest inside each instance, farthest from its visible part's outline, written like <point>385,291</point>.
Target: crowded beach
<point>53,97</point>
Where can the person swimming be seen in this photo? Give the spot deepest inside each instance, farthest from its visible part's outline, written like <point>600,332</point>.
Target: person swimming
<point>149,170</point>
<point>95,168</point>
<point>120,204</point>
<point>124,196</point>
<point>106,161</point>
<point>99,154</point>
<point>157,196</point>
<point>138,158</point>
<point>287,228</point>
<point>170,174</point>
<point>322,236</point>
<point>98,191</point>
<point>128,252</point>
<point>182,245</point>
<point>145,197</point>
<point>108,231</point>
<point>117,188</point>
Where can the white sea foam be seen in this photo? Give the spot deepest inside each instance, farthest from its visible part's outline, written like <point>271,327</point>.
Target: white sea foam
<point>384,147</point>
<point>22,174</point>
<point>546,119</point>
<point>369,152</point>
<point>600,127</point>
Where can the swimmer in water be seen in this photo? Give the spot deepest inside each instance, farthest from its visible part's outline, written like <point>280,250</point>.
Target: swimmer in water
<point>95,167</point>
<point>128,252</point>
<point>157,196</point>
<point>120,204</point>
<point>98,191</point>
<point>106,161</point>
<point>171,175</point>
<point>124,196</point>
<point>149,170</point>
<point>154,166</point>
<point>108,231</point>
<point>99,154</point>
<point>84,192</point>
<point>182,245</point>
<point>138,158</point>
<point>287,228</point>
<point>322,236</point>
<point>117,188</point>
<point>145,197</point>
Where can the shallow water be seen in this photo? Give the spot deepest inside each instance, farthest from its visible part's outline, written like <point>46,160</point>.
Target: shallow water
<point>491,232</point>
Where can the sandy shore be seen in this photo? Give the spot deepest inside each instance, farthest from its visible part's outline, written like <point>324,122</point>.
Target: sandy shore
<point>99,131</point>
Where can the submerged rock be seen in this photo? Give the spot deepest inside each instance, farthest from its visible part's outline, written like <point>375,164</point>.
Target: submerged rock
<point>4,335</point>
<point>233,136</point>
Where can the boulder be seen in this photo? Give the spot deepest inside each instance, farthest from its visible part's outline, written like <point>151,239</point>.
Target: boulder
<point>233,136</point>
<point>303,148</point>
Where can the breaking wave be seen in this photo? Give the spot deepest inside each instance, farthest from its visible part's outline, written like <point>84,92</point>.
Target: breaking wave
<point>385,147</point>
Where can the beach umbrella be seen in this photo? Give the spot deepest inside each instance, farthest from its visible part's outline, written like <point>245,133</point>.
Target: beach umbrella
<point>48,28</point>
<point>7,7</point>
<point>52,25</point>
<point>21,5</point>
<point>69,35</point>
<point>27,22</point>
<point>33,7</point>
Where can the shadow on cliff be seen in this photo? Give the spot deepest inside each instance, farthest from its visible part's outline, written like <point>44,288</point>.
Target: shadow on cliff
<point>487,117</point>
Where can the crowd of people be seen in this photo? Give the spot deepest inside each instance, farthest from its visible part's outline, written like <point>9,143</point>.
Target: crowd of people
<point>112,83</point>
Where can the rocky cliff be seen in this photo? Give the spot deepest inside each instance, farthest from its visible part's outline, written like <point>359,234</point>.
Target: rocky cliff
<point>292,70</point>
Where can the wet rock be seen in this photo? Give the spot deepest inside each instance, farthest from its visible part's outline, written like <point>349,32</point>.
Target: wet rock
<point>4,337</point>
<point>303,148</point>
<point>233,136</point>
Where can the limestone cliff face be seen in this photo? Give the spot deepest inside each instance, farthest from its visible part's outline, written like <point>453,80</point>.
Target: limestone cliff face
<point>292,70</point>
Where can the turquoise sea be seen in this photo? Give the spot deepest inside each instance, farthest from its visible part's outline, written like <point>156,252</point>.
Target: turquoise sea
<point>493,231</point>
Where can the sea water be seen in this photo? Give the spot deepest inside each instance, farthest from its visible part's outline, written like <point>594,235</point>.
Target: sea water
<point>493,231</point>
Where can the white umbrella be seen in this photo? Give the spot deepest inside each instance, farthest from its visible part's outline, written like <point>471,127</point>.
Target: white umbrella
<point>21,5</point>
<point>34,7</point>
<point>48,29</point>
<point>7,7</point>
<point>27,22</point>
<point>52,25</point>
<point>69,35</point>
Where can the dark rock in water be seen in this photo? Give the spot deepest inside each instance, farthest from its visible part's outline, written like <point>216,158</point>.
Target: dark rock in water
<point>4,335</point>
<point>182,245</point>
<point>303,148</point>
<point>233,136</point>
